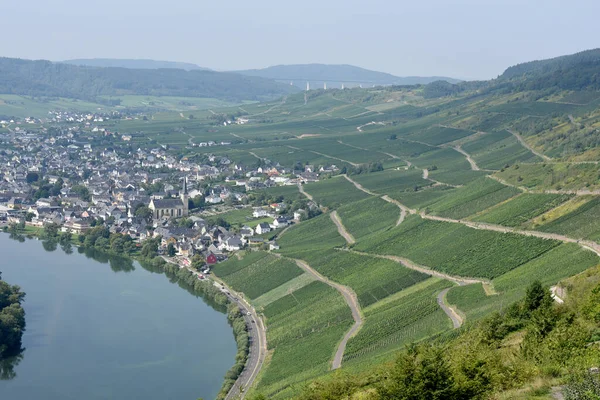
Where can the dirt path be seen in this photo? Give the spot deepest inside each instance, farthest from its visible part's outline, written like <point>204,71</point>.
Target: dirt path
<point>457,320</point>
<point>258,342</point>
<point>582,192</point>
<point>459,280</point>
<point>301,189</point>
<point>341,228</point>
<point>351,300</point>
<point>359,186</point>
<point>527,146</point>
<point>474,165</point>
<point>403,209</point>
<point>334,158</point>
<point>588,244</point>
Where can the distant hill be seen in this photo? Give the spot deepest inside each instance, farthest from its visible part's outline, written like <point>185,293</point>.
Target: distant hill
<point>44,78</point>
<point>579,71</point>
<point>133,63</point>
<point>335,75</point>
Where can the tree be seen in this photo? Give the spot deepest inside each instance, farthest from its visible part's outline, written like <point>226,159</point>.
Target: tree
<point>171,250</point>
<point>32,177</point>
<point>143,212</point>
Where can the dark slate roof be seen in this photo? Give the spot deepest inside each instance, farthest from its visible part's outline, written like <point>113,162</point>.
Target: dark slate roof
<point>167,203</point>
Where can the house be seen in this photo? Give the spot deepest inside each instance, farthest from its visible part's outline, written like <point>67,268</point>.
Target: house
<point>263,227</point>
<point>246,231</point>
<point>299,214</point>
<point>211,259</point>
<point>233,243</point>
<point>259,212</point>
<point>280,222</point>
<point>273,246</point>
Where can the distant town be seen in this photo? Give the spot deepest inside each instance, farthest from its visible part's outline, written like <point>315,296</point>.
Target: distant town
<point>58,176</point>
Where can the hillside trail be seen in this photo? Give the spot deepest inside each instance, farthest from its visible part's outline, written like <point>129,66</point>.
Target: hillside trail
<point>403,209</point>
<point>451,311</point>
<point>474,166</point>
<point>304,193</point>
<point>408,163</point>
<point>527,146</point>
<point>456,319</point>
<point>581,192</point>
<point>588,244</point>
<point>341,228</point>
<point>351,300</point>
<point>359,186</point>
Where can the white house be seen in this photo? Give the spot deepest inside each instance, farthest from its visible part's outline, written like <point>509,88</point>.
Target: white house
<point>263,227</point>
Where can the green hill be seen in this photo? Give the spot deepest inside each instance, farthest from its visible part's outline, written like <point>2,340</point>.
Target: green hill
<point>44,78</point>
<point>336,75</point>
<point>133,63</point>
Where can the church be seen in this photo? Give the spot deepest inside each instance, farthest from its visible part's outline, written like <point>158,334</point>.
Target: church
<point>171,208</point>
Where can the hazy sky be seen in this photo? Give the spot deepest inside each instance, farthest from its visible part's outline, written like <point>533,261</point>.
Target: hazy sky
<point>472,39</point>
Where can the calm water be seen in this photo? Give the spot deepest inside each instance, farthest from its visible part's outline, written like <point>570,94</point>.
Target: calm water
<point>94,332</point>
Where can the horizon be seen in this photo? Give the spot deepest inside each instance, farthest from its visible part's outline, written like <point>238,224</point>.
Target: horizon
<point>455,40</point>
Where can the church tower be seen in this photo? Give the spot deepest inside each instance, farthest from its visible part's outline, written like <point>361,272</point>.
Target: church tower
<point>184,198</point>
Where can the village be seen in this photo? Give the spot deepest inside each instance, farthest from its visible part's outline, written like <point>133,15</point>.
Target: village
<point>61,178</point>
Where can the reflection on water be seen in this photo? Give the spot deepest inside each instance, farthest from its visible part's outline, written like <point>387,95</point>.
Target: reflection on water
<point>8,364</point>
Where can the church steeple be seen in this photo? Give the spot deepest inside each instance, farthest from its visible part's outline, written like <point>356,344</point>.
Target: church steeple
<point>184,198</point>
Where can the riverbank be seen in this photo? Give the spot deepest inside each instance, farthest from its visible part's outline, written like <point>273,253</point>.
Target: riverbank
<point>256,331</point>
<point>237,377</point>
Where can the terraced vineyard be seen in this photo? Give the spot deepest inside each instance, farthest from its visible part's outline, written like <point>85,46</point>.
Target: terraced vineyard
<point>368,216</point>
<point>521,209</point>
<point>455,249</point>
<point>255,278</point>
<point>304,326</point>
<point>495,150</point>
<point>560,262</point>
<point>334,192</point>
<point>433,155</point>
<point>393,324</point>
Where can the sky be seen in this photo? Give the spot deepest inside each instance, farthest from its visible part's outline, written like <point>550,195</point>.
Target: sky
<point>466,39</point>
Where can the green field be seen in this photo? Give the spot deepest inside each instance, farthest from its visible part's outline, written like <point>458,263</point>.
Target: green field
<point>521,209</point>
<point>254,279</point>
<point>334,192</point>
<point>559,176</point>
<point>317,233</point>
<point>304,326</point>
<point>495,150</point>
<point>368,216</point>
<point>582,223</point>
<point>456,249</point>
<point>561,262</point>
<point>390,326</point>
<point>470,199</point>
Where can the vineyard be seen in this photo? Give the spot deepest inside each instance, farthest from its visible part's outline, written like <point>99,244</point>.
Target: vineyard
<point>304,326</point>
<point>553,176</point>
<point>372,278</point>
<point>582,223</point>
<point>392,325</point>
<point>316,233</point>
<point>439,135</point>
<point>393,181</point>
<point>262,276</point>
<point>495,150</point>
<point>368,216</point>
<point>521,209</point>
<point>560,262</point>
<point>334,192</point>
<point>472,198</point>
<point>456,249</point>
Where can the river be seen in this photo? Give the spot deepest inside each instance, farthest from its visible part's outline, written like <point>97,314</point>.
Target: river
<point>110,330</point>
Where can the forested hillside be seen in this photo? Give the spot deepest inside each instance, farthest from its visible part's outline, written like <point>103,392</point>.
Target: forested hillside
<point>43,78</point>
<point>338,73</point>
<point>132,63</point>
